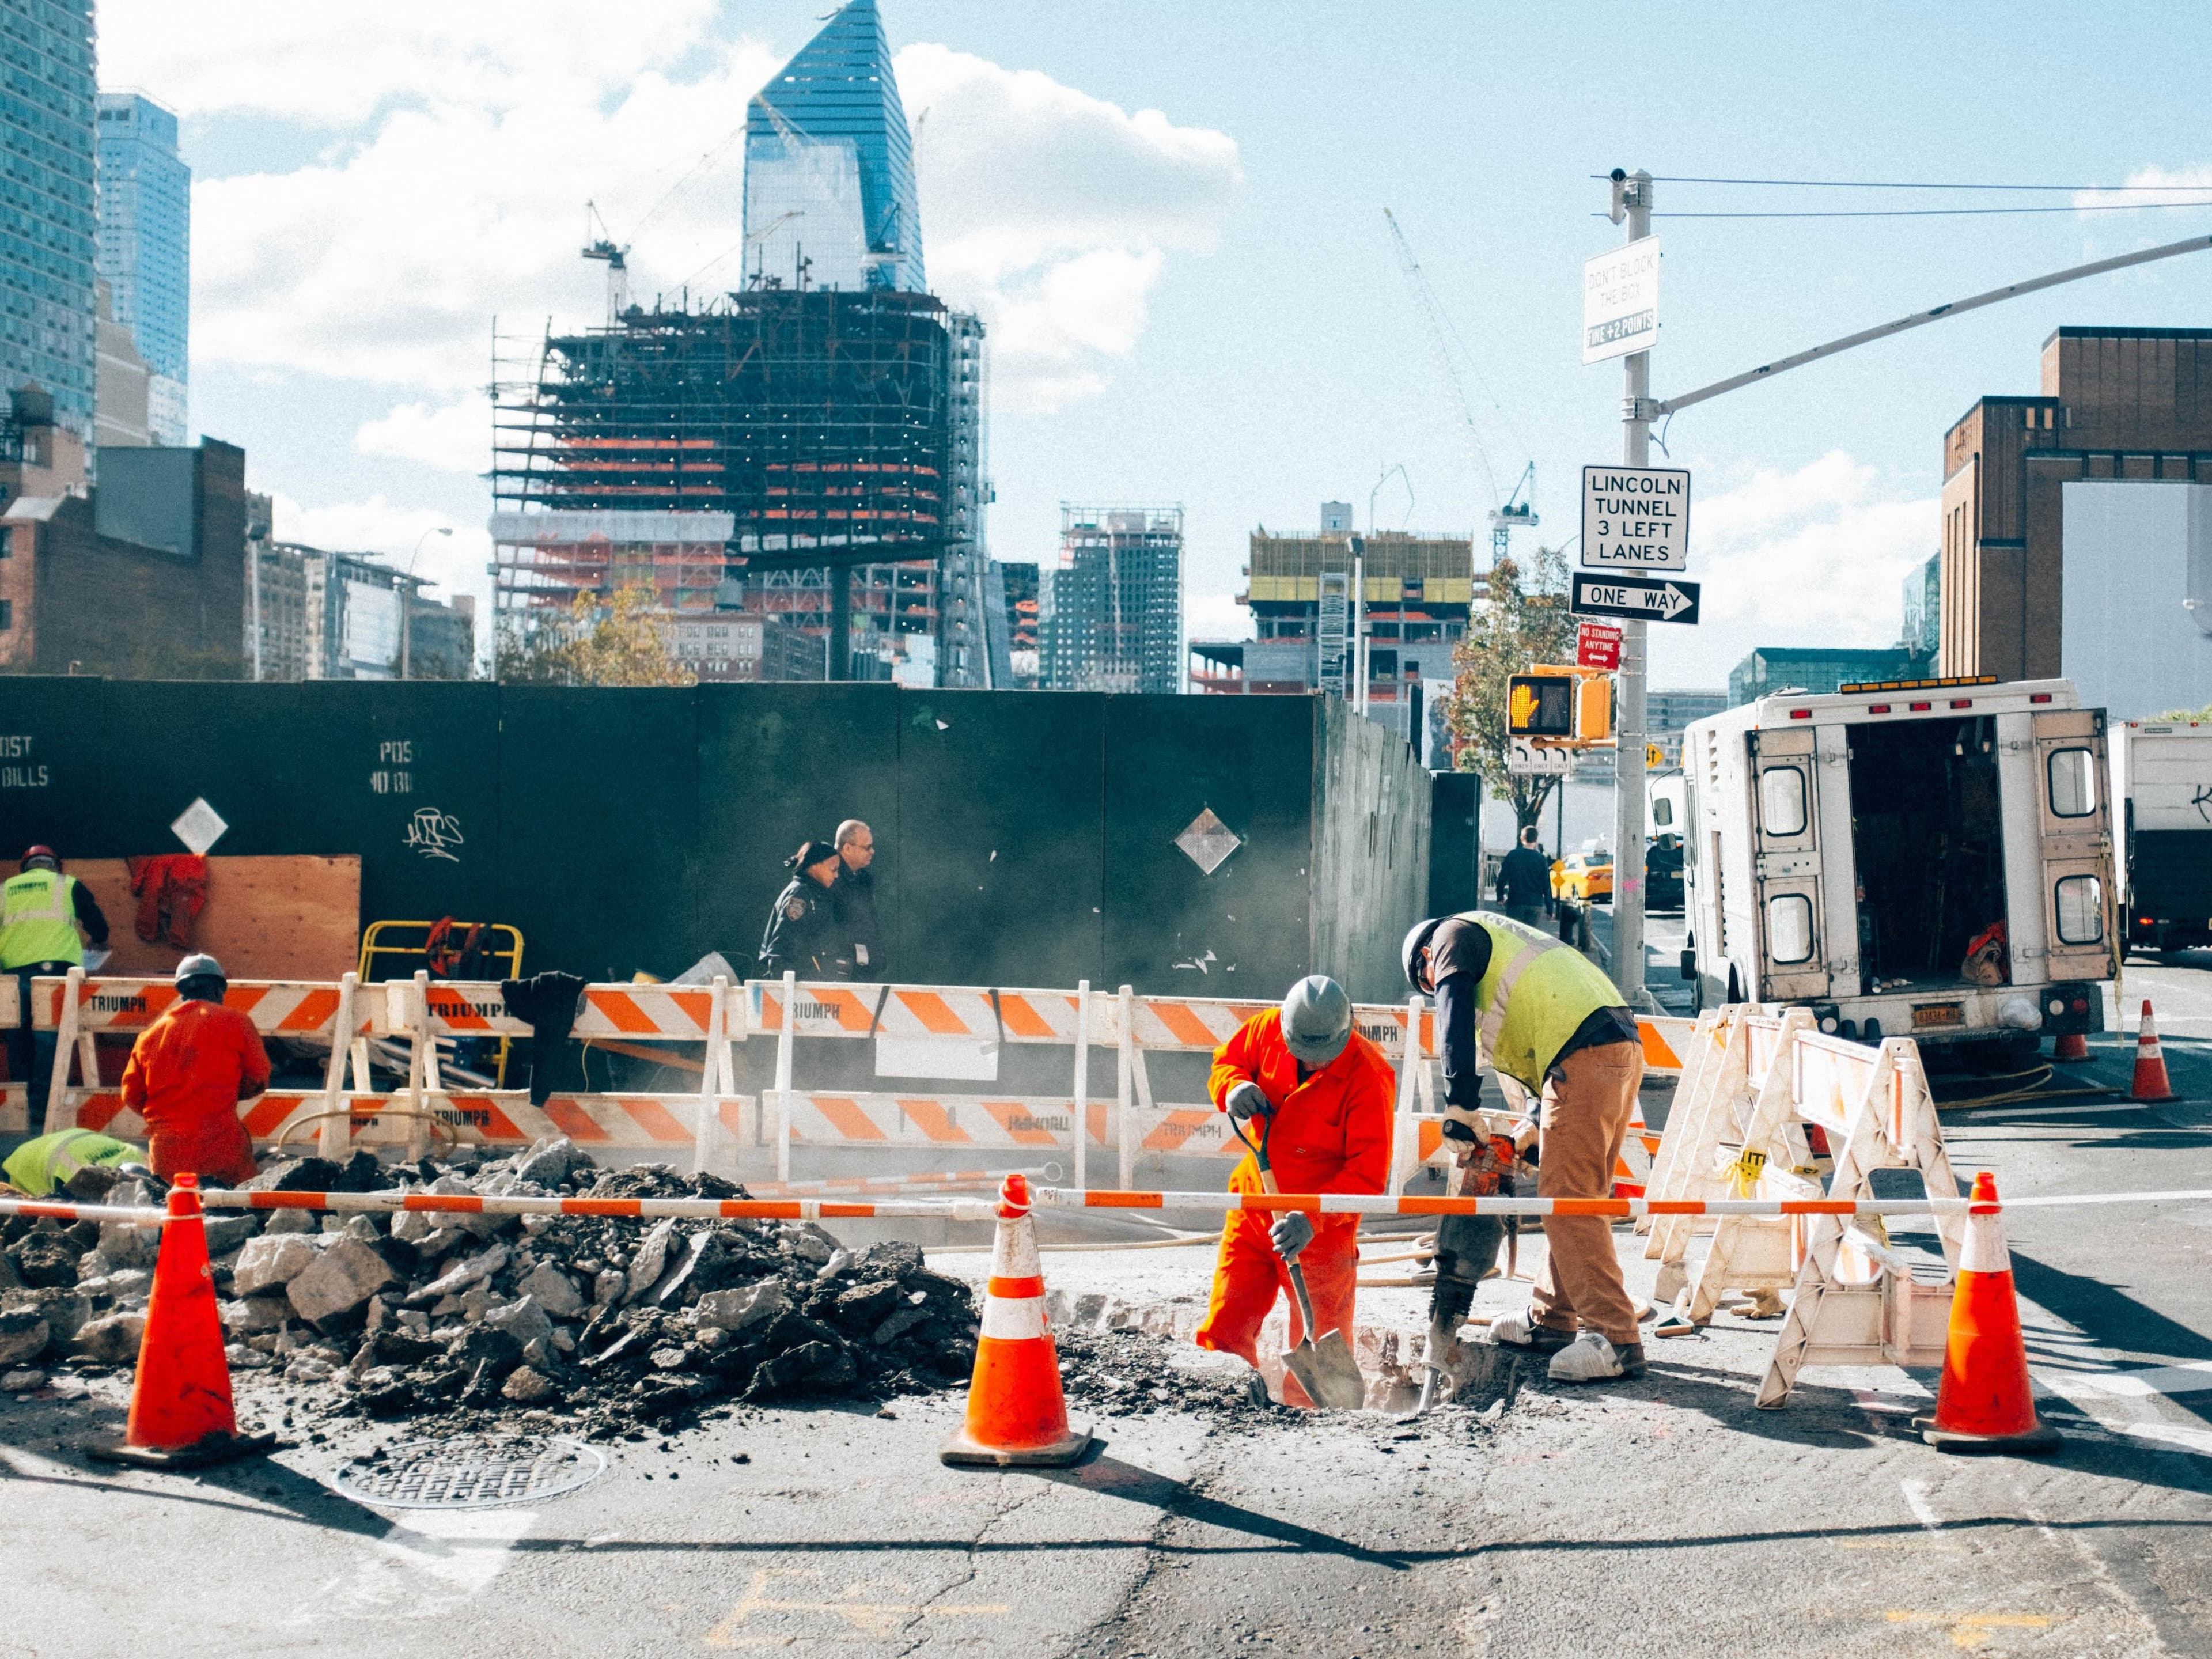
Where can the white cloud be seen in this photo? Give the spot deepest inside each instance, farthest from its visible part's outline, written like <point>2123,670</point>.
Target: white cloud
<point>1217,617</point>
<point>1815,557</point>
<point>1050,213</point>
<point>455,438</point>
<point>333,63</point>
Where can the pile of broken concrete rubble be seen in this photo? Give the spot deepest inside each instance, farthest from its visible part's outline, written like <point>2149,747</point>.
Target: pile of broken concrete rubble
<point>621,1321</point>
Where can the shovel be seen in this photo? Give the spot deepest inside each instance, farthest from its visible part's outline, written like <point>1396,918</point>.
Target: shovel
<point>1324,1366</point>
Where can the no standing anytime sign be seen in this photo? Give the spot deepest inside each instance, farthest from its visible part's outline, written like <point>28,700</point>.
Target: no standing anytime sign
<point>1636,518</point>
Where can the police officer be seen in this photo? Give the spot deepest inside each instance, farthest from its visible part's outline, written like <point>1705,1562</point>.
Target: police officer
<point>40,910</point>
<point>803,935</point>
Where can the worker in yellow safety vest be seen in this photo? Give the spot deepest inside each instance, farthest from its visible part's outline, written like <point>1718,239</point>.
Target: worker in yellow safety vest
<point>1546,1017</point>
<point>41,910</point>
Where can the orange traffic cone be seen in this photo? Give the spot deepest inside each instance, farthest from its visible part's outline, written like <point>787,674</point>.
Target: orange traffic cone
<point>1983,1403</point>
<point>1017,1414</point>
<point>2151,1082</point>
<point>181,1408</point>
<point>2073,1046</point>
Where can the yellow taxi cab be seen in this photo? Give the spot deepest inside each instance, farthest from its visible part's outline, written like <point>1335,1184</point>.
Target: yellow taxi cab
<point>1583,877</point>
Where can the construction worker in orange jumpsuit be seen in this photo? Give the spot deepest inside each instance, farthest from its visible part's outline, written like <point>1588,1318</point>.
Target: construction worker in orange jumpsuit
<point>1321,1095</point>
<point>189,1072</point>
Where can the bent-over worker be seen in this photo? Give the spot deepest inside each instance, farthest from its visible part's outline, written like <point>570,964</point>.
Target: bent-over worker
<point>1299,1081</point>
<point>189,1073</point>
<point>1552,1023</point>
<point>803,936</point>
<point>41,911</point>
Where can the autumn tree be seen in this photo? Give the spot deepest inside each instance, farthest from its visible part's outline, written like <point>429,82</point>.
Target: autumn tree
<point>1523,621</point>
<point>621,641</point>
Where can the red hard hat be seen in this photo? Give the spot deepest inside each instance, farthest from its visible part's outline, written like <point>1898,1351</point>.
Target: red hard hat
<point>41,852</point>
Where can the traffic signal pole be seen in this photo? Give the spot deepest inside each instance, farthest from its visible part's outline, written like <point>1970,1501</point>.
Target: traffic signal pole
<point>1631,201</point>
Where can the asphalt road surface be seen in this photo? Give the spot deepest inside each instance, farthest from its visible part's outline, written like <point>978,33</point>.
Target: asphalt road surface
<point>1665,1516</point>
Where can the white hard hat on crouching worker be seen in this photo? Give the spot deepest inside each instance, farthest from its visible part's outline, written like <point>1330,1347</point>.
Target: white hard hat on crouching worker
<point>1316,1020</point>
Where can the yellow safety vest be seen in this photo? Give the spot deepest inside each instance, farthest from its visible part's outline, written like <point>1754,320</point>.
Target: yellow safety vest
<point>1535,993</point>
<point>38,920</point>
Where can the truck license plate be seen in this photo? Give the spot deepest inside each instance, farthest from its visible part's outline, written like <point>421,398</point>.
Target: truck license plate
<point>1939,1013</point>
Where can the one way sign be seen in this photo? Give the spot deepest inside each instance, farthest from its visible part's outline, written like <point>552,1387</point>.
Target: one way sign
<point>1643,599</point>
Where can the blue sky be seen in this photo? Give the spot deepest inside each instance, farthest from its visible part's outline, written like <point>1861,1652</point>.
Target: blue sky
<point>1203,305</point>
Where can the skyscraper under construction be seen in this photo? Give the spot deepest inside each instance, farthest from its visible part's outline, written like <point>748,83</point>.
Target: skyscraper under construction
<point>810,446</point>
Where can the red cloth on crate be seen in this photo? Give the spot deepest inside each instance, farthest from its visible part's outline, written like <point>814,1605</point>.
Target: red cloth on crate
<point>171,889</point>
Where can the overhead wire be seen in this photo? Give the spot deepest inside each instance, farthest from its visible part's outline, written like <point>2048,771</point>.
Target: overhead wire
<point>1926,213</point>
<point>1872,184</point>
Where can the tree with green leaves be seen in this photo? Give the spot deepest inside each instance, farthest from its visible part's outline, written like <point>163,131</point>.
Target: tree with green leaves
<point>624,640</point>
<point>1522,622</point>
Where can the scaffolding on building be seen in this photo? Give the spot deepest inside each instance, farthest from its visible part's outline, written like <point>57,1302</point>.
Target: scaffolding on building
<point>750,441</point>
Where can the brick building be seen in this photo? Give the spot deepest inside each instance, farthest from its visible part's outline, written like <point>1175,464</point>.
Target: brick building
<point>2119,407</point>
<point>143,577</point>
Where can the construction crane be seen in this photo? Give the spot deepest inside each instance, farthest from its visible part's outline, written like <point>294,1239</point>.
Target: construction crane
<point>601,246</point>
<point>1509,513</point>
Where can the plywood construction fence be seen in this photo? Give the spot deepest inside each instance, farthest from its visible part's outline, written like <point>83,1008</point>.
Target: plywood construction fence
<point>289,916</point>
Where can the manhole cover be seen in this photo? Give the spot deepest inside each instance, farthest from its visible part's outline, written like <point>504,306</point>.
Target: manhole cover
<point>447,1474</point>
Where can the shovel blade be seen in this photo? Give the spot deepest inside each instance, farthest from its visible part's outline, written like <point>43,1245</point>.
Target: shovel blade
<point>1329,1373</point>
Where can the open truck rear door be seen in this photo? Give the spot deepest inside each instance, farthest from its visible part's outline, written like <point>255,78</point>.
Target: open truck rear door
<point>1787,870</point>
<point>2074,827</point>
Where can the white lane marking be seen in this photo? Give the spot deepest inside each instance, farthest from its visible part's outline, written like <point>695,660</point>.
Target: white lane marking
<point>2176,1438</point>
<point>461,1551</point>
<point>1991,1126</point>
<point>2194,1376</point>
<point>1916,1499</point>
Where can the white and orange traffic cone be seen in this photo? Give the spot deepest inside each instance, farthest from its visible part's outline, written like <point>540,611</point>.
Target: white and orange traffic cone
<point>181,1408</point>
<point>1017,1413</point>
<point>2073,1046</point>
<point>2151,1082</point>
<point>1985,1402</point>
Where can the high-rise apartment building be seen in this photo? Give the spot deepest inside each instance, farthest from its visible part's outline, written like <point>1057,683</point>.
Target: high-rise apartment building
<point>1110,616</point>
<point>830,192</point>
<point>145,246</point>
<point>49,333</point>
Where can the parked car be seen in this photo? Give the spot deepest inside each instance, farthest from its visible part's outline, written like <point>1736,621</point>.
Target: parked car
<point>1585,877</point>
<point>1663,874</point>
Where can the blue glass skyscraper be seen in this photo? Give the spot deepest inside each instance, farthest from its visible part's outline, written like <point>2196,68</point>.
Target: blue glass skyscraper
<point>830,195</point>
<point>48,331</point>
<point>145,247</point>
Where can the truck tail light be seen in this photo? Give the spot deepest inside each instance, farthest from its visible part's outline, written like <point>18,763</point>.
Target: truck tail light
<point>1801,714</point>
<point>1921,707</point>
<point>2039,696</point>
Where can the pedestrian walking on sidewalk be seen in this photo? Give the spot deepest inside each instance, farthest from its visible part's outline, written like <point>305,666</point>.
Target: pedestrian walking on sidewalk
<point>190,1071</point>
<point>1547,1019</point>
<point>44,919</point>
<point>1524,881</point>
<point>803,936</point>
<point>1299,1081</point>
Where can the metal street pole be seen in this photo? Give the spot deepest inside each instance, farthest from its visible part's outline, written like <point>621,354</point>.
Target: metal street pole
<point>1631,199</point>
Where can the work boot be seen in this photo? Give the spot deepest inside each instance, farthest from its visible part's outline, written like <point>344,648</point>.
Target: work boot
<point>1590,1358</point>
<point>1517,1330</point>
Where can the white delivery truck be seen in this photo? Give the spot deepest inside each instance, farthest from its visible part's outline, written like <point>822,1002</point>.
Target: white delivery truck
<point>1927,858</point>
<point>2163,810</point>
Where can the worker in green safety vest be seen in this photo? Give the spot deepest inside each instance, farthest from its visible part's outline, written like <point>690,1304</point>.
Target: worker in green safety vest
<point>39,1167</point>
<point>1540,1013</point>
<point>41,911</point>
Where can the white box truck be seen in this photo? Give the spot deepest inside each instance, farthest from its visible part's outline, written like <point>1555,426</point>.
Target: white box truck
<point>1852,853</point>
<point>2162,809</point>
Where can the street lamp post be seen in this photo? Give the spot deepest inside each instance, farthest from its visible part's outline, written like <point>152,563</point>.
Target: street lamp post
<point>407,601</point>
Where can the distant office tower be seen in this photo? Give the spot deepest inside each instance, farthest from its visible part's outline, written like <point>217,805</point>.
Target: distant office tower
<point>1111,614</point>
<point>145,237</point>
<point>50,330</point>
<point>964,657</point>
<point>829,194</point>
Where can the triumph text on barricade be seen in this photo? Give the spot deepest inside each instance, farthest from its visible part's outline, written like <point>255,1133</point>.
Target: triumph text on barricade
<point>1636,518</point>
<point>1646,599</point>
